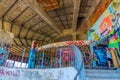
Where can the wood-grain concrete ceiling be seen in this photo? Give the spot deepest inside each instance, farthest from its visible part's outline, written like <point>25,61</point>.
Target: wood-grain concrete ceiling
<point>29,21</point>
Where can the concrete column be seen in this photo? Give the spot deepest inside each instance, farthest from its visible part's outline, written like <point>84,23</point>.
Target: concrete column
<point>74,36</point>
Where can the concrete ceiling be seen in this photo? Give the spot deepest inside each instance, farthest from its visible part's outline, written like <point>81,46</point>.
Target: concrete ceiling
<point>29,20</point>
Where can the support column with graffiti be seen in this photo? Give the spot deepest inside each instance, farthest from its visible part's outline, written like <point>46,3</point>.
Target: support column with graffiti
<point>31,62</point>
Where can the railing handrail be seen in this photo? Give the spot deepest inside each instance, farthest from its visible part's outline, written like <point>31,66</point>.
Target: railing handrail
<point>80,65</point>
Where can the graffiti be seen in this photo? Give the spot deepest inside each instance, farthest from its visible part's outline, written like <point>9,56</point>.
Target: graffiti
<point>31,62</point>
<point>6,39</point>
<point>106,25</point>
<point>96,36</point>
<point>66,43</point>
<point>3,55</point>
<point>108,22</point>
<point>9,72</point>
<point>82,42</point>
<point>37,74</point>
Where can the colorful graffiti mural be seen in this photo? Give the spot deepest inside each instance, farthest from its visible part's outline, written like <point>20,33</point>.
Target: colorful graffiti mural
<point>106,23</point>
<point>106,30</point>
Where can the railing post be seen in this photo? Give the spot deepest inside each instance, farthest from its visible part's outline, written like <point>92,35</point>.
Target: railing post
<point>22,57</point>
<point>42,59</point>
<point>60,61</point>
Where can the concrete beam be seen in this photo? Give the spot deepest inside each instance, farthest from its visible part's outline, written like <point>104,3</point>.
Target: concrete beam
<point>18,26</point>
<point>74,36</point>
<point>75,14</point>
<point>82,15</point>
<point>85,23</point>
<point>65,33</point>
<point>33,4</point>
<point>68,32</point>
<point>116,1</point>
<point>81,34</point>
